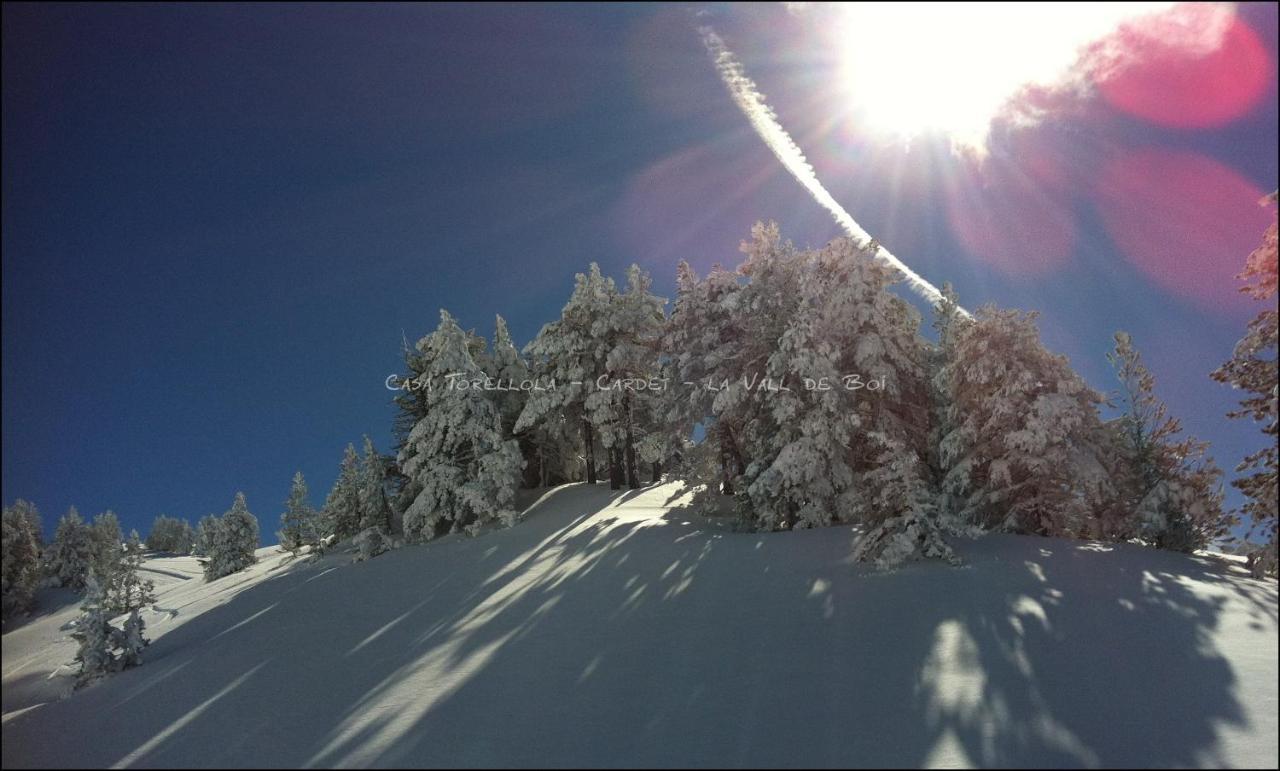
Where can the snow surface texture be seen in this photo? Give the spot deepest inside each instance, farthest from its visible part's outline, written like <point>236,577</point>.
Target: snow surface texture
<point>619,629</point>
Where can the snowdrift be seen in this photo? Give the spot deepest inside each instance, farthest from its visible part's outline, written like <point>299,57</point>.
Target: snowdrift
<point>618,629</point>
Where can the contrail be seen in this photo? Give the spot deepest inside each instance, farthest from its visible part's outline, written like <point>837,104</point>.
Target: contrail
<point>765,122</point>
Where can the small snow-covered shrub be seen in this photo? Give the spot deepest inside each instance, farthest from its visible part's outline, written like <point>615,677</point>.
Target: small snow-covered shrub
<point>902,538</point>
<point>370,543</point>
<point>130,641</point>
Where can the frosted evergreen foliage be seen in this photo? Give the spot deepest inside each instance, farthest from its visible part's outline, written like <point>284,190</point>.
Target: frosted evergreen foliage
<point>70,555</point>
<point>464,467</point>
<point>21,558</point>
<point>342,513</point>
<point>204,535</point>
<point>131,641</point>
<point>108,543</point>
<point>1252,370</point>
<point>172,535</point>
<point>1022,446</point>
<point>125,589</point>
<point>375,511</point>
<point>298,522</point>
<point>234,542</point>
<point>94,634</point>
<point>370,543</point>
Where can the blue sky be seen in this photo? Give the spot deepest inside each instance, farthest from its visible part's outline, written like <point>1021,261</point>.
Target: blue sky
<point>219,221</point>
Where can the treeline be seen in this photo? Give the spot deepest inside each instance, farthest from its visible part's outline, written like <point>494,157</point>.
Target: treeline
<point>815,398</point>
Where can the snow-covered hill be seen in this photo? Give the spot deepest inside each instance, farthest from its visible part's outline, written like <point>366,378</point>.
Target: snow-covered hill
<point>617,629</point>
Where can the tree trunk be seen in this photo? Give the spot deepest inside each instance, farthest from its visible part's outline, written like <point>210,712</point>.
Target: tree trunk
<point>657,471</point>
<point>633,479</point>
<point>589,449</point>
<point>615,468</point>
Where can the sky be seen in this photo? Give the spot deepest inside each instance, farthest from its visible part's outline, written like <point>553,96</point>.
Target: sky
<point>220,222</point>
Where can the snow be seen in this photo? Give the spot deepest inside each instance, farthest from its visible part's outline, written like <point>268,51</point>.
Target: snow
<point>620,629</point>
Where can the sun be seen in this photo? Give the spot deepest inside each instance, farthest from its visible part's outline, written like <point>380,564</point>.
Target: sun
<point>949,68</point>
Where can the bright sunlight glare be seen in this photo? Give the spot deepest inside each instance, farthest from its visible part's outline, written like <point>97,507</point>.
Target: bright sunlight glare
<point>914,68</point>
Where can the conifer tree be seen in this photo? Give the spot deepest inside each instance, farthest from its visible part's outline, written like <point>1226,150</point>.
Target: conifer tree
<point>1021,452</point>
<point>21,558</point>
<point>572,352</point>
<point>108,543</point>
<point>94,633</point>
<point>466,470</point>
<point>298,522</point>
<point>1253,370</point>
<point>234,541</point>
<point>70,555</point>
<point>342,514</point>
<point>131,641</point>
<point>375,511</point>
<point>204,535</point>
<point>124,589</point>
<point>1165,489</point>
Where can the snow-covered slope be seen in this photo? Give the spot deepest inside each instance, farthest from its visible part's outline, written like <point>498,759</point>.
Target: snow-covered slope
<point>617,629</point>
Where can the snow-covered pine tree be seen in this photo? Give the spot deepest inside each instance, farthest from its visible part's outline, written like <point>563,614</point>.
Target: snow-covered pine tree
<point>508,369</point>
<point>1021,453</point>
<point>94,633</point>
<point>203,543</point>
<point>131,641</point>
<point>464,466</point>
<point>170,534</point>
<point>108,544</point>
<point>70,555</point>
<point>1253,370</point>
<point>849,363</point>
<point>235,541</point>
<point>124,589</point>
<point>21,558</point>
<point>1166,490</point>
<point>341,514</point>
<point>375,511</point>
<point>640,322</point>
<point>702,341</point>
<point>948,321</point>
<point>298,522</point>
<point>572,351</point>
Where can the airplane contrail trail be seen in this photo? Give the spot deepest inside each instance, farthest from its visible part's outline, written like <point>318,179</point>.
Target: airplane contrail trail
<point>765,122</point>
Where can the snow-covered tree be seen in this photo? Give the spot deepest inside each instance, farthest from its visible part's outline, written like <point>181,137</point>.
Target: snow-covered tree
<point>124,589</point>
<point>1163,487</point>
<point>457,456</point>
<point>572,353</point>
<point>1021,452</point>
<point>94,633</point>
<point>375,511</point>
<point>234,542</point>
<point>21,558</point>
<point>204,535</point>
<point>298,522</point>
<point>628,410</point>
<point>370,544</point>
<point>171,534</point>
<point>70,555</point>
<point>1253,370</point>
<point>542,445</point>
<point>341,514</point>
<point>104,648</point>
<point>108,543</point>
<point>704,338</point>
<point>131,641</point>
